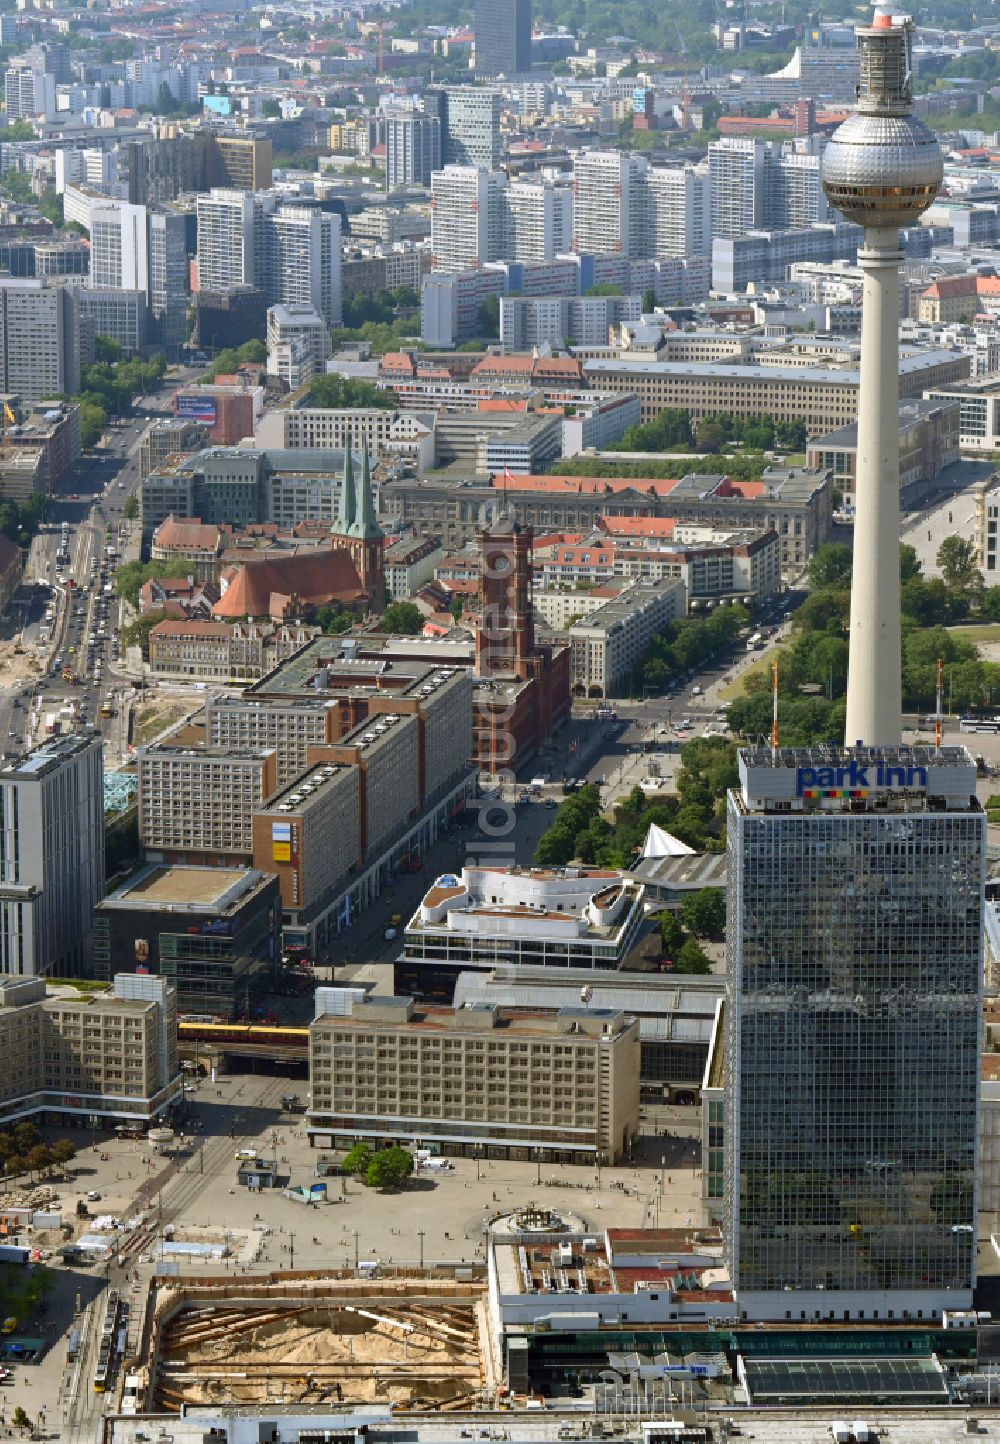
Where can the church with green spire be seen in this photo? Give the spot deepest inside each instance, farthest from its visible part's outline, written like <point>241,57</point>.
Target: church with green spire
<point>356,527</point>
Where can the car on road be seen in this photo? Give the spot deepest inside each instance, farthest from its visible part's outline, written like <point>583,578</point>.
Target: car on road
<point>93,1196</point>
<point>390,934</point>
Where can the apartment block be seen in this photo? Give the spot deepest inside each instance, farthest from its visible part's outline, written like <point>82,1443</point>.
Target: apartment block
<point>539,219</point>
<point>196,802</point>
<point>213,934</point>
<point>288,728</point>
<point>412,150</point>
<point>299,323</point>
<point>301,260</point>
<point>468,217</point>
<point>398,734</point>
<point>609,204</point>
<point>560,1086</point>
<point>559,321</point>
<point>39,339</point>
<point>763,256</point>
<point>609,645</point>
<point>52,857</point>
<point>66,1057</point>
<point>681,211</point>
<point>309,835</point>
<point>410,563</point>
<point>225,240</point>
<point>51,429</point>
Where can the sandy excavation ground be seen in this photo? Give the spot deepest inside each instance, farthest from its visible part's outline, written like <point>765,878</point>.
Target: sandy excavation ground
<point>406,1354</point>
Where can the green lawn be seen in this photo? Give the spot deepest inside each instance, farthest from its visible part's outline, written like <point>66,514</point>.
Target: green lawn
<point>988,632</point>
<point>761,667</point>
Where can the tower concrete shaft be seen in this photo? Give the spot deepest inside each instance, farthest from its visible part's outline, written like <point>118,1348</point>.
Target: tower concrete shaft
<point>882,169</point>
<point>874,692</point>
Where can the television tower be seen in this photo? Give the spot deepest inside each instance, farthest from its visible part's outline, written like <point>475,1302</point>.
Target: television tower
<point>882,169</point>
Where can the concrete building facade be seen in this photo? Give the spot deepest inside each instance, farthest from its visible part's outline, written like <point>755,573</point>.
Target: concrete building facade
<point>560,1086</point>
<point>66,1058</point>
<point>52,859</point>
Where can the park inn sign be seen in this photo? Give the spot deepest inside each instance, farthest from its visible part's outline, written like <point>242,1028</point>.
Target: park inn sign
<point>858,778</point>
<point>802,776</point>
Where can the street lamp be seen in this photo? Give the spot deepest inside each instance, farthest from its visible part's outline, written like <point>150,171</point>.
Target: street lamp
<point>420,1236</point>
<point>355,1232</point>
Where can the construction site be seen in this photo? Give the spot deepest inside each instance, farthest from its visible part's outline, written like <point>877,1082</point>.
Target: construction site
<point>416,1343</point>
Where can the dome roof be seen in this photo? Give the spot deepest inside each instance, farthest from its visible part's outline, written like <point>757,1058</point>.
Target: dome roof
<point>882,170</point>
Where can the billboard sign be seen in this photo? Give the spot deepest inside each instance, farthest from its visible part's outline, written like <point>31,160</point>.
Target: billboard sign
<point>197,408</point>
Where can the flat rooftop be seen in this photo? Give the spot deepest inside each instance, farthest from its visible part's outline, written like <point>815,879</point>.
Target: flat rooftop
<point>178,885</point>
<point>48,757</point>
<point>880,780</point>
<point>795,1426</point>
<point>328,667</point>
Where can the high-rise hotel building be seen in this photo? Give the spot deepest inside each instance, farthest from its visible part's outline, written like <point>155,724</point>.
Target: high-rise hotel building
<point>853,1022</point>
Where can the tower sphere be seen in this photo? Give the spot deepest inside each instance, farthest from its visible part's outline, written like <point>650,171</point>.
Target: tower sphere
<point>883,167</point>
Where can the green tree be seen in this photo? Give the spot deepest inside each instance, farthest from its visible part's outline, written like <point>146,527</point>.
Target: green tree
<point>334,620</point>
<point>824,611</point>
<point>39,1158</point>
<point>357,1159</point>
<point>692,959</point>
<point>402,619</point>
<point>131,577</point>
<point>345,391</point>
<point>556,846</point>
<point>989,604</point>
<point>93,420</point>
<point>389,1168</point>
<point>604,288</point>
<point>909,563</point>
<point>25,1137</point>
<point>672,934</point>
<point>107,349</point>
<point>270,109</point>
<point>704,912</point>
<point>20,1419</point>
<point>831,567</point>
<point>130,511</point>
<point>489,317</point>
<point>63,1151</point>
<point>710,436</point>
<point>648,300</point>
<point>956,557</point>
<point>136,634</point>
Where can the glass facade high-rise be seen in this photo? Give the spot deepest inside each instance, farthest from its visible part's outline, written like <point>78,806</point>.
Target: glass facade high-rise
<point>853,1032</point>
<point>503,37</point>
